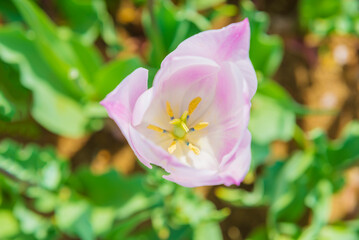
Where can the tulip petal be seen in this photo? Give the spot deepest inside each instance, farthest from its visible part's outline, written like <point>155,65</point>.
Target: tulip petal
<point>176,64</point>
<point>233,172</point>
<point>191,177</point>
<point>236,168</point>
<point>208,76</point>
<point>185,79</point>
<point>230,43</point>
<point>150,153</point>
<point>233,104</point>
<point>180,173</point>
<point>228,117</point>
<point>121,101</point>
<point>249,74</point>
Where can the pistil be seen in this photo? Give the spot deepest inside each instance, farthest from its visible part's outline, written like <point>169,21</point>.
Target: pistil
<point>180,128</point>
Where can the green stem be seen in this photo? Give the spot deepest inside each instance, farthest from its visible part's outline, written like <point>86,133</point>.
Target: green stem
<point>157,39</point>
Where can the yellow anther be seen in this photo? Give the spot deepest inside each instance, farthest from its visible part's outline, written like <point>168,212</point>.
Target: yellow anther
<point>194,149</point>
<point>155,128</point>
<point>200,125</point>
<point>180,129</point>
<point>184,116</point>
<point>193,105</point>
<point>169,110</point>
<point>172,147</point>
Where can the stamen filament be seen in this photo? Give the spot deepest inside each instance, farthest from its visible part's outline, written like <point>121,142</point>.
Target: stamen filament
<point>169,110</point>
<point>180,129</point>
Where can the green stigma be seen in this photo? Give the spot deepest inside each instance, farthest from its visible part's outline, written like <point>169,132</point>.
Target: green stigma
<point>180,128</point>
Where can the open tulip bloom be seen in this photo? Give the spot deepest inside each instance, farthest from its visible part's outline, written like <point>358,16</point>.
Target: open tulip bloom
<point>193,122</point>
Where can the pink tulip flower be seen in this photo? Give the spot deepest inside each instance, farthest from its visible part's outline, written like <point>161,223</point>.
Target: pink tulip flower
<point>193,122</point>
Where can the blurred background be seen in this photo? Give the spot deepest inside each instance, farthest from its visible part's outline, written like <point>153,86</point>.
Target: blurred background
<point>66,171</point>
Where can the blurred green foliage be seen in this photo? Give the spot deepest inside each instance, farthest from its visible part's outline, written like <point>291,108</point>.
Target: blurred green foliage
<point>305,181</point>
<point>36,185</point>
<point>323,17</point>
<point>57,73</point>
<point>61,68</point>
<point>90,19</point>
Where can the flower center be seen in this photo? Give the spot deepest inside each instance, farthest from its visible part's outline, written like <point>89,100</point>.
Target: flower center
<point>180,128</point>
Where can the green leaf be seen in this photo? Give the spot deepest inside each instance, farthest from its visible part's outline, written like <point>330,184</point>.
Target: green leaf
<point>168,26</point>
<point>160,29</point>
<point>38,21</point>
<point>151,76</point>
<point>266,54</point>
<point>143,234</point>
<point>259,154</point>
<point>59,48</point>
<point>57,67</point>
<point>344,231</point>
<point>319,201</point>
<point>88,19</point>
<point>129,199</point>
<point>32,165</point>
<point>7,109</point>
<point>107,28</point>
<point>17,48</point>
<point>266,51</point>
<point>12,226</point>
<point>297,165</point>
<point>179,211</point>
<point>193,17</point>
<point>290,191</point>
<point>102,220</point>
<point>258,234</point>
<point>310,10</point>
<point>31,223</point>
<point>262,194</point>
<point>11,91</point>
<point>61,114</point>
<point>324,17</point>
<point>242,198</point>
<point>9,12</point>
<point>55,105</point>
<point>110,75</point>
<point>344,152</point>
<point>122,230</point>
<point>275,91</point>
<point>207,231</point>
<point>270,121</point>
<point>191,209</point>
<point>92,187</point>
<point>204,4</point>
<point>44,201</point>
<point>74,218</point>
